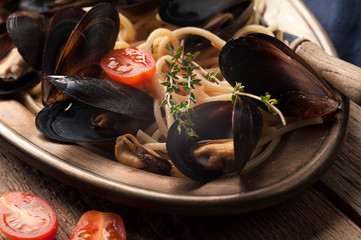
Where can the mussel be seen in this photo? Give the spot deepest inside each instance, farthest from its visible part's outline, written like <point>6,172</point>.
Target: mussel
<point>15,74</point>
<point>45,43</point>
<point>137,6</point>
<point>37,6</point>
<point>235,128</point>
<point>264,64</point>
<point>61,121</point>
<point>130,151</point>
<point>27,31</point>
<point>220,17</point>
<point>46,7</point>
<point>18,68</point>
<point>85,46</point>
<point>108,95</point>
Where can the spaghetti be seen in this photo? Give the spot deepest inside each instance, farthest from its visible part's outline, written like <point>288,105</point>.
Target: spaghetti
<point>150,33</point>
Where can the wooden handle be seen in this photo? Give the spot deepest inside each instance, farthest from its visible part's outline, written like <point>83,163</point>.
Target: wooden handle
<point>344,76</point>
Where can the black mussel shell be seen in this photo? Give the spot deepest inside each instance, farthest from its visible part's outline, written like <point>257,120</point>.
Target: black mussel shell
<point>6,45</point>
<point>37,6</point>
<point>137,6</point>
<point>48,7</point>
<point>58,5</point>
<point>10,83</point>
<point>110,123</point>
<point>27,31</point>
<point>270,66</point>
<point>9,86</point>
<point>108,95</point>
<point>214,121</point>
<point>3,18</point>
<point>60,27</point>
<point>200,13</point>
<point>247,128</point>
<point>194,12</point>
<point>94,35</point>
<point>71,121</point>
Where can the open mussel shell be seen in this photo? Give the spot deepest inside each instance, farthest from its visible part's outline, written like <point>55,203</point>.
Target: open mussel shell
<point>105,94</point>
<point>231,15</point>
<point>48,7</point>
<point>9,86</point>
<point>195,12</point>
<point>60,27</point>
<point>69,121</point>
<point>270,66</point>
<point>54,6</point>
<point>93,36</point>
<point>37,6</point>
<point>72,121</point>
<point>214,121</point>
<point>216,124</point>
<point>11,82</point>
<point>247,124</point>
<point>137,6</point>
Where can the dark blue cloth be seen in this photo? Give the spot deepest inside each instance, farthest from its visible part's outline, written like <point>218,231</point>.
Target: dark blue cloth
<point>342,21</point>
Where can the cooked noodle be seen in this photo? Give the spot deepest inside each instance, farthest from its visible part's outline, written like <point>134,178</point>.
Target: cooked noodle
<point>153,35</point>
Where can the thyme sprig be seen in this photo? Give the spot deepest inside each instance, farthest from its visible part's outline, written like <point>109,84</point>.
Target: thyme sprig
<point>237,90</point>
<point>269,102</point>
<point>266,99</point>
<point>213,76</point>
<point>181,64</point>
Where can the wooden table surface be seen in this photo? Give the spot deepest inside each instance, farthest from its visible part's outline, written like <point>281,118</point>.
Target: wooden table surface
<point>330,209</point>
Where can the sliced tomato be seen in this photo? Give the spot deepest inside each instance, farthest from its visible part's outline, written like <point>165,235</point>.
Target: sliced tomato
<point>94,225</point>
<point>131,66</point>
<point>26,216</point>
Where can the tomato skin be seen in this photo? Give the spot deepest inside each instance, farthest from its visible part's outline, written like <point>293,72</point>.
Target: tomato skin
<point>26,216</point>
<point>95,225</point>
<point>131,66</point>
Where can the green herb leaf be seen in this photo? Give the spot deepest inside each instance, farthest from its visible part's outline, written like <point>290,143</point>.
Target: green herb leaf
<point>181,65</point>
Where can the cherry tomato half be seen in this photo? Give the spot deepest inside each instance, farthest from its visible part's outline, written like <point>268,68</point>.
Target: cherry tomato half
<point>26,216</point>
<point>131,66</point>
<point>94,225</point>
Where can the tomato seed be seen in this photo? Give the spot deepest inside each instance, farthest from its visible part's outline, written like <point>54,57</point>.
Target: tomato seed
<point>86,235</point>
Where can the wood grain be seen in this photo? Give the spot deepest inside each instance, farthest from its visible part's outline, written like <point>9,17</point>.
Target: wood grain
<point>342,180</point>
<point>308,216</point>
<point>331,209</point>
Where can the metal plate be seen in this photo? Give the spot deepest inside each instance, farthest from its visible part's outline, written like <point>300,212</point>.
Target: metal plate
<point>302,157</point>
